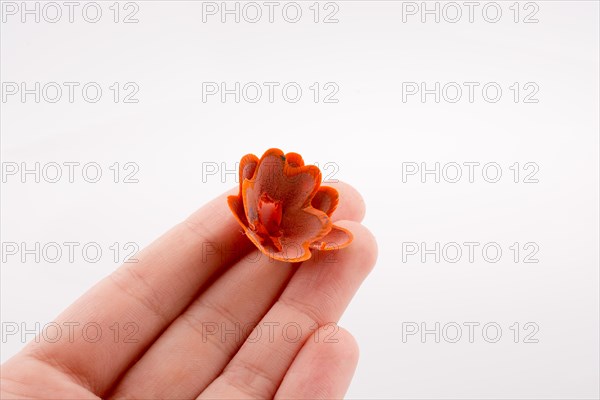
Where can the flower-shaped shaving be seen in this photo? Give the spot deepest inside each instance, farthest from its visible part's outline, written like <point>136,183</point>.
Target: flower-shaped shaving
<point>283,209</point>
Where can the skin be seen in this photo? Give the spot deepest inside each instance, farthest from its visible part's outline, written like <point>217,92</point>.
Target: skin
<point>200,278</point>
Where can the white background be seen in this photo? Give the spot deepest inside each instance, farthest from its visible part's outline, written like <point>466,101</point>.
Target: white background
<point>367,138</point>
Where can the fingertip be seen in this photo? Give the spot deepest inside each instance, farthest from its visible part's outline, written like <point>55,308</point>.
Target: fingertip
<point>363,246</point>
<point>351,204</point>
<point>324,367</point>
<point>349,351</point>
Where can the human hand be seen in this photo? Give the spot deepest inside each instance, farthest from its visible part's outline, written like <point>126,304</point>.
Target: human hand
<point>204,314</point>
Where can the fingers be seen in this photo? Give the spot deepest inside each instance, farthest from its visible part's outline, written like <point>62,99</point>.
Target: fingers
<point>131,307</point>
<point>316,295</point>
<point>323,368</point>
<point>198,344</point>
<point>128,309</point>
